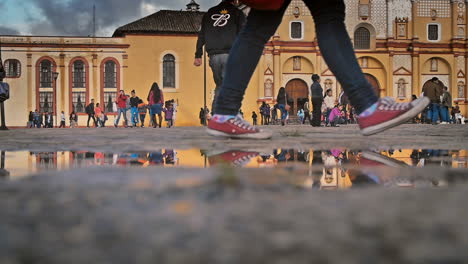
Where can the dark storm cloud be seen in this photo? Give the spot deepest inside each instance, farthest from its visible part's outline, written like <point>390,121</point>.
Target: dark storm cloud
<point>8,31</point>
<point>74,17</point>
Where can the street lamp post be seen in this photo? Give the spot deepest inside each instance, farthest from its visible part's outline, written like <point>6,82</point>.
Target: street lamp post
<point>55,75</point>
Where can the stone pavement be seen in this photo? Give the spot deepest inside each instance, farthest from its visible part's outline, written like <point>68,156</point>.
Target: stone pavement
<point>147,139</point>
<point>230,215</point>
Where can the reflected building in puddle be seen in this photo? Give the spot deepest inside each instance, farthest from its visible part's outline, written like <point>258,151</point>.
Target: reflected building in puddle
<point>329,169</point>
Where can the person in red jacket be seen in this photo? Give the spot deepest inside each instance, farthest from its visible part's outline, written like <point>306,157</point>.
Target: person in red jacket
<point>121,108</point>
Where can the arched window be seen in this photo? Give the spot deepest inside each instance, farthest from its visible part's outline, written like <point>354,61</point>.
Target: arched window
<point>110,75</point>
<point>79,85</point>
<point>46,74</point>
<point>362,38</point>
<point>79,74</point>
<point>110,84</point>
<point>169,71</point>
<point>45,85</point>
<point>12,68</point>
<point>268,88</point>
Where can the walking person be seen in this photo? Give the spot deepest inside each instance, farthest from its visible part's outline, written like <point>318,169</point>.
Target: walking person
<point>274,114</point>
<point>134,101</point>
<point>155,100</point>
<point>36,115</point>
<point>301,115</point>
<point>375,115</point>
<point>262,113</point>
<point>282,100</point>
<point>169,114</point>
<point>31,119</point>
<point>142,110</point>
<point>344,101</point>
<point>91,113</point>
<point>201,116</point>
<point>317,100</point>
<point>51,119</point>
<point>329,102</point>
<point>267,114</point>
<point>121,108</point>
<point>446,105</point>
<point>254,118</point>
<point>99,115</point>
<point>62,120</point>
<point>40,121</point>
<point>219,28</point>
<point>73,120</point>
<point>432,89</point>
<point>306,113</point>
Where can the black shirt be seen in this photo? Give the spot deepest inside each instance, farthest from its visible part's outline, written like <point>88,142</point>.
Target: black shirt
<point>134,101</point>
<point>220,26</point>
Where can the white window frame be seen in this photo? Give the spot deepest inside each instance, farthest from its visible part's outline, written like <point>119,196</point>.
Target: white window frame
<point>302,29</point>
<point>439,31</point>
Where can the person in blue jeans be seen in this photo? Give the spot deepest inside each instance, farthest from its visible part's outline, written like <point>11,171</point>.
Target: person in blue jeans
<point>282,100</point>
<point>434,113</point>
<point>134,101</point>
<point>375,115</point>
<point>121,108</point>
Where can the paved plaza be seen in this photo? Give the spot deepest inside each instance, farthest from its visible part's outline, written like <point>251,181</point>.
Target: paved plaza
<point>231,214</point>
<point>148,139</point>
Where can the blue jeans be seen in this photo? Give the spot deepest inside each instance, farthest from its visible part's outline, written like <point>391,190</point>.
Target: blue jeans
<point>284,113</point>
<point>444,113</point>
<point>217,65</point>
<point>333,40</point>
<point>134,111</point>
<point>433,113</point>
<point>121,111</point>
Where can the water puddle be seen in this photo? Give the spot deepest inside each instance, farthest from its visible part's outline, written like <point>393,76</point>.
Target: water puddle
<point>326,169</point>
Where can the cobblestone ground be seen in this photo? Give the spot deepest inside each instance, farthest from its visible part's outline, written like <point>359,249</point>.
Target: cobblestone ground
<point>227,215</point>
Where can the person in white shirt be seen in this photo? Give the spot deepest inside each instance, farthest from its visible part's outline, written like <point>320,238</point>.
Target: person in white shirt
<point>62,120</point>
<point>329,102</point>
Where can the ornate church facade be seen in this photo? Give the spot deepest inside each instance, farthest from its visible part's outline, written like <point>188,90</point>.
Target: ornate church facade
<point>400,44</point>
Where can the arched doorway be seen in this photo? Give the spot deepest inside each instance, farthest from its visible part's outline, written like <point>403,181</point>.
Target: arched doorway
<point>298,94</point>
<point>374,82</point>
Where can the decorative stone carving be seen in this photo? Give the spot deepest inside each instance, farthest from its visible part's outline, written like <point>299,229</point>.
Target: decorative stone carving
<point>328,84</point>
<point>398,8</point>
<point>295,6</point>
<point>434,65</point>
<point>268,88</point>
<point>401,88</point>
<point>364,11</point>
<point>434,8</point>
<point>461,13</point>
<point>296,63</point>
<point>402,61</point>
<point>461,89</point>
<point>364,62</point>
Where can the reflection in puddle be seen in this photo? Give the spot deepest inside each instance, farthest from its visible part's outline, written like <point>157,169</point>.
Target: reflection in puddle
<point>325,169</point>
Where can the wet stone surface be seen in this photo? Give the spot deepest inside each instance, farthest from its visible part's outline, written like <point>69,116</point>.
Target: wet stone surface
<point>307,196</point>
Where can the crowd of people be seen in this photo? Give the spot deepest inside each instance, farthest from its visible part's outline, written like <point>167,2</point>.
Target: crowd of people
<point>331,111</point>
<point>133,109</point>
<point>440,110</point>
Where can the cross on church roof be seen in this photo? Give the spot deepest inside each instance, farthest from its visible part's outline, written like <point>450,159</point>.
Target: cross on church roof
<point>193,6</point>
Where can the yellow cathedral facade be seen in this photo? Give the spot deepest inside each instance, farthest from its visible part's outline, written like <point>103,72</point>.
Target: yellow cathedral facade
<point>400,44</point>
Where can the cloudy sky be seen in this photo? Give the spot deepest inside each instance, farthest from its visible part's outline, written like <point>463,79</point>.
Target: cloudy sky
<point>74,17</point>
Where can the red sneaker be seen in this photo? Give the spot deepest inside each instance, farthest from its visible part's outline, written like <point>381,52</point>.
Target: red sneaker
<point>233,158</point>
<point>389,114</point>
<point>236,127</point>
